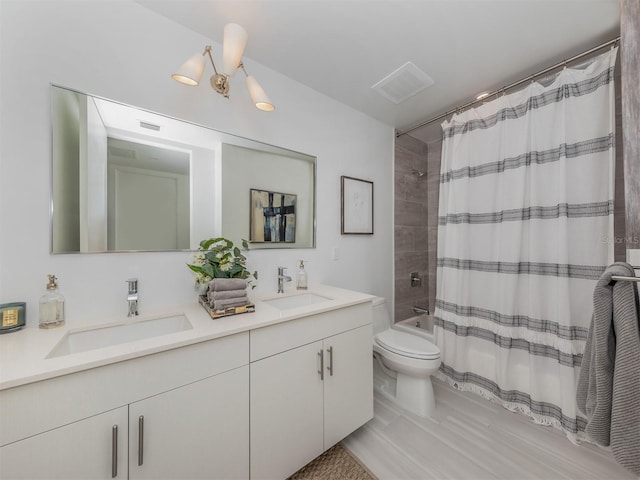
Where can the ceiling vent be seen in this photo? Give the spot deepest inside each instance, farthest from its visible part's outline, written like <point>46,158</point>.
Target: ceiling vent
<point>403,83</point>
<point>150,126</point>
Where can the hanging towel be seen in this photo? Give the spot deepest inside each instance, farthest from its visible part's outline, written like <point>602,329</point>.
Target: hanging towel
<point>220,284</point>
<point>609,383</point>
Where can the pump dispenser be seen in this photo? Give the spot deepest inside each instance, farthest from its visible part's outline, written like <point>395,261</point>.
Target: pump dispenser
<point>301,278</point>
<point>52,305</point>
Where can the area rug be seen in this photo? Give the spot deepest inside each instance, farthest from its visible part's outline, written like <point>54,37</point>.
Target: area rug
<point>337,463</point>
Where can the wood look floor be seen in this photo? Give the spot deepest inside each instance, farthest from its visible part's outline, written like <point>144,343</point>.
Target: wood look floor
<point>472,438</point>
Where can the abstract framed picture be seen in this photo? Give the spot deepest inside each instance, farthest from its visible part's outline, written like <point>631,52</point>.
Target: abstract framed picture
<point>273,217</point>
<point>356,205</point>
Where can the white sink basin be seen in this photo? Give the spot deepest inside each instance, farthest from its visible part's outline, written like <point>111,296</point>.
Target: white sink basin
<point>295,301</point>
<point>105,336</point>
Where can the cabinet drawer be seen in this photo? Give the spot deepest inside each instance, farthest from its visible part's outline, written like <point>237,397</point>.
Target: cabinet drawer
<point>40,406</point>
<point>284,336</point>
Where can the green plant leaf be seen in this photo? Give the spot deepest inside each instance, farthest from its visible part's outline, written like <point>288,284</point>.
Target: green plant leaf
<point>195,268</point>
<point>208,269</point>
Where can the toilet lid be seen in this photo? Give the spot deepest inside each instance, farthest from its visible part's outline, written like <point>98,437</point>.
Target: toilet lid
<point>408,345</point>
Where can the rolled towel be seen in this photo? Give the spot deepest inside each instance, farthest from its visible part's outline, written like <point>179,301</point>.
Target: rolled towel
<point>230,302</point>
<point>223,295</point>
<point>222,284</point>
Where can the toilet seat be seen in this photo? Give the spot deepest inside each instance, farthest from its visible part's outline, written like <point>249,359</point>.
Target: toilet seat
<point>407,345</point>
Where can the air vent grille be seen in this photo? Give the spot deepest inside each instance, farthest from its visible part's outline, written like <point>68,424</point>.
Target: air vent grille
<point>403,83</point>
<point>150,126</point>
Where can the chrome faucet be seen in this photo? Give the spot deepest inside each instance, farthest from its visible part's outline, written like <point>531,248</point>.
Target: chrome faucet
<point>282,278</point>
<point>132,297</point>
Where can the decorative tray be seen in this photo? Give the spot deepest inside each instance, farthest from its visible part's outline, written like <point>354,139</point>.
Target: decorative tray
<point>225,312</point>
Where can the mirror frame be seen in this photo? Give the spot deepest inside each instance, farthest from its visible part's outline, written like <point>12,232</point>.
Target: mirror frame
<point>228,138</point>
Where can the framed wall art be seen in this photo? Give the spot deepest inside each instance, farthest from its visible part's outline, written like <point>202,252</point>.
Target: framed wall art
<point>356,205</point>
<point>272,217</point>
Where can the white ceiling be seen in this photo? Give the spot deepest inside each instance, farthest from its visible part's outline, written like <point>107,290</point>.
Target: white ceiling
<point>343,47</point>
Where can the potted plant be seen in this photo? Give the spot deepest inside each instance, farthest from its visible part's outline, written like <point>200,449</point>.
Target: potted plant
<point>219,258</point>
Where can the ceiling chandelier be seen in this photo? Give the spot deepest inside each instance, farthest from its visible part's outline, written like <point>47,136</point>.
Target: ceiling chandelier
<point>234,43</point>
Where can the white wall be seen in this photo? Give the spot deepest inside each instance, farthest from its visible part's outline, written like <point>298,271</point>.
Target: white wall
<point>120,50</point>
<point>93,145</point>
<point>66,182</point>
<point>252,169</point>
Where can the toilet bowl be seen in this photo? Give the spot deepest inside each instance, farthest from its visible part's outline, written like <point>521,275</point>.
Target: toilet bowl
<point>403,363</point>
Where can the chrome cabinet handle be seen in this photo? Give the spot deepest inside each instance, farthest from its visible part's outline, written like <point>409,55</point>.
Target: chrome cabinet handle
<point>330,367</point>
<point>140,440</point>
<point>321,371</point>
<point>114,451</point>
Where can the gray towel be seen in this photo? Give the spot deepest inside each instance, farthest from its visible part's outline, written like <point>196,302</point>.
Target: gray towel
<point>608,389</point>
<point>224,294</point>
<point>220,284</point>
<point>229,302</point>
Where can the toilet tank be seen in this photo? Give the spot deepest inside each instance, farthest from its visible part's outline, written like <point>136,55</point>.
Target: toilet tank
<point>381,318</point>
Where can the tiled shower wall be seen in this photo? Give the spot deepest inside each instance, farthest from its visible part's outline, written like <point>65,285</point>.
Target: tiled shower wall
<point>416,215</point>
<point>411,228</point>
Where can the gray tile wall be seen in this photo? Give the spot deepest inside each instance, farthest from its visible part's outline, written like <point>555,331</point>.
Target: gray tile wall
<point>630,60</point>
<point>411,208</point>
<point>619,209</point>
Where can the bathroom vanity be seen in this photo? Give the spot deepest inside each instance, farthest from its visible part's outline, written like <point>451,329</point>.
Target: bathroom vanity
<point>255,395</point>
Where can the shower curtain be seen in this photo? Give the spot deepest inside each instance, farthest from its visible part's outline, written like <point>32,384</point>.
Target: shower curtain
<point>525,230</point>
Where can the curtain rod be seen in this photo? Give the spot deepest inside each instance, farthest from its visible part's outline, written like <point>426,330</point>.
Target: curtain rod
<point>514,84</point>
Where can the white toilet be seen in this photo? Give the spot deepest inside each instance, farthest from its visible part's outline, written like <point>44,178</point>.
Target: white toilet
<point>403,363</point>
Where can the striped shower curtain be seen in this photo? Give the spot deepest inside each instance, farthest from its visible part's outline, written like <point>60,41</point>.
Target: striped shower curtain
<point>525,230</point>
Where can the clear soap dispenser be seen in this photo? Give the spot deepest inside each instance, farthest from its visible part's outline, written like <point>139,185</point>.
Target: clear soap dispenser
<point>52,305</point>
<point>301,278</point>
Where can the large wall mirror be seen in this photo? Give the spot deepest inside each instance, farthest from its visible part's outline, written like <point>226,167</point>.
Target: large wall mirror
<point>126,179</point>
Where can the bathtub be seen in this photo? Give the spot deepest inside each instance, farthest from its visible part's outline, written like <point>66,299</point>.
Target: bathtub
<point>420,325</point>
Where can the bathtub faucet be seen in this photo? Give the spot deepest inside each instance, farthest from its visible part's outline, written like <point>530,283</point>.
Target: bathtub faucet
<point>420,311</point>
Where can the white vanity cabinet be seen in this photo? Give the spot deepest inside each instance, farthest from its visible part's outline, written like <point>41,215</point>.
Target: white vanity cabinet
<point>256,404</point>
<point>93,448</point>
<point>311,385</point>
<point>193,432</point>
<point>194,402</point>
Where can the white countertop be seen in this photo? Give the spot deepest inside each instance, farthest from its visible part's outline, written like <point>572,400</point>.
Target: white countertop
<point>23,353</point>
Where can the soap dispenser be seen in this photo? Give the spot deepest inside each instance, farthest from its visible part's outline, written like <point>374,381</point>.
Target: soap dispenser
<point>301,278</point>
<point>52,305</point>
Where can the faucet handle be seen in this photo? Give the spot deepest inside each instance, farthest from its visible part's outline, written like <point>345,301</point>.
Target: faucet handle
<point>281,270</point>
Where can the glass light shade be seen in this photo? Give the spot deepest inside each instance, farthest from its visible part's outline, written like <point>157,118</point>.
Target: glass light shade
<point>190,72</point>
<point>258,95</point>
<point>235,41</point>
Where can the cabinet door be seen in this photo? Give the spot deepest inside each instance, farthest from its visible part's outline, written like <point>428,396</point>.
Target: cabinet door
<point>198,431</point>
<point>348,391</point>
<point>81,450</point>
<point>286,412</point>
